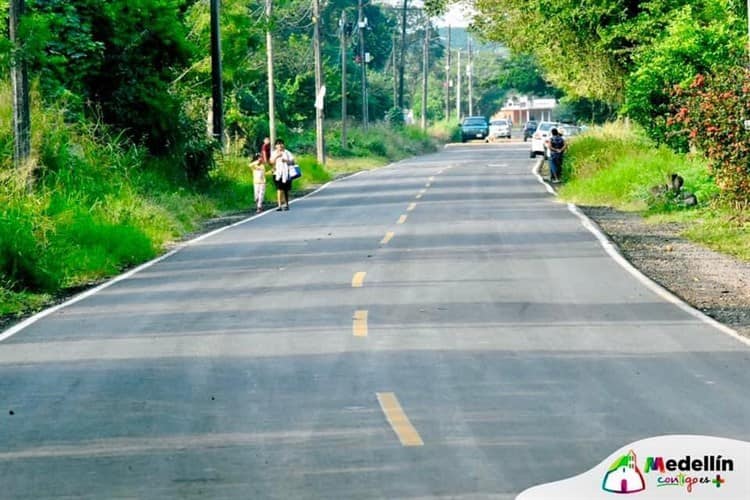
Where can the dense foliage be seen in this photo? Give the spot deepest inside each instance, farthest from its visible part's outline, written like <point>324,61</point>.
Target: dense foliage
<point>710,114</point>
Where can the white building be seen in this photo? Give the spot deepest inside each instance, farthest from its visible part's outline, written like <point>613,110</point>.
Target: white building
<point>521,109</point>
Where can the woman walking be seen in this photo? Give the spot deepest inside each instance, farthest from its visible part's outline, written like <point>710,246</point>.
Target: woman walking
<point>282,160</point>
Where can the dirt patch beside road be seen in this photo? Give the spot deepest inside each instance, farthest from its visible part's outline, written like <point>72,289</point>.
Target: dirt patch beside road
<point>714,283</point>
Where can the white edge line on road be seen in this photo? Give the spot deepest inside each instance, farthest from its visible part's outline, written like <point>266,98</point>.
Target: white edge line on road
<point>652,285</point>
<point>88,293</point>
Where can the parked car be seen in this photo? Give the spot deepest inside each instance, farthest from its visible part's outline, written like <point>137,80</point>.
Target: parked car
<point>528,129</point>
<point>568,130</point>
<point>474,127</point>
<point>539,139</point>
<point>499,128</point>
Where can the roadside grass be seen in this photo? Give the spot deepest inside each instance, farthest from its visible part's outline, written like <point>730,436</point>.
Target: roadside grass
<point>89,205</point>
<point>616,166</point>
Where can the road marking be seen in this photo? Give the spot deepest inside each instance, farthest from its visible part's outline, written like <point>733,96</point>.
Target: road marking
<point>400,423</point>
<point>419,196</point>
<point>388,237</point>
<point>358,279</point>
<point>359,323</point>
<point>431,178</point>
<point>401,219</point>
<point>423,191</point>
<point>411,207</point>
<point>428,185</point>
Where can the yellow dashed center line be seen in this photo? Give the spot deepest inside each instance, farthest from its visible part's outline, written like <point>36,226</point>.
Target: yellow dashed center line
<point>388,236</point>
<point>359,323</point>
<point>412,206</point>
<point>358,279</point>
<point>401,219</point>
<point>400,423</point>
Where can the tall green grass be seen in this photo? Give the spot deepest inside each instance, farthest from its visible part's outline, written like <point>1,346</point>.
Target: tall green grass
<point>89,204</point>
<point>617,166</point>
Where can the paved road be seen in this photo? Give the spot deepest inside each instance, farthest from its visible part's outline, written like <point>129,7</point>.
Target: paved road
<point>491,344</point>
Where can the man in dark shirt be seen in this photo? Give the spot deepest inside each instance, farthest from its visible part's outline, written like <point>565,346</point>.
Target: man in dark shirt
<point>557,147</point>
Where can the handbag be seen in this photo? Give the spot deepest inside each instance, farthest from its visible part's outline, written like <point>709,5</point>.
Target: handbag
<point>294,171</point>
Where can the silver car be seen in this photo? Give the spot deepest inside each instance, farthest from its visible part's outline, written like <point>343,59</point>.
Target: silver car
<point>499,128</point>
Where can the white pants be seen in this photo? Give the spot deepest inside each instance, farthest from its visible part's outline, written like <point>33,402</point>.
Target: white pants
<point>260,193</point>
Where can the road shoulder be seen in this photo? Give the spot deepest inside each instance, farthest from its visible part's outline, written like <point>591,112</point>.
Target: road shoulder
<point>714,283</point>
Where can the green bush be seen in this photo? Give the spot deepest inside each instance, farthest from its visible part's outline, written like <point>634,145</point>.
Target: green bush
<point>710,115</point>
<point>618,166</point>
<point>698,39</point>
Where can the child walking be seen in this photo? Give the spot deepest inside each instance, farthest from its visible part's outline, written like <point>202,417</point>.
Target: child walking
<point>259,181</point>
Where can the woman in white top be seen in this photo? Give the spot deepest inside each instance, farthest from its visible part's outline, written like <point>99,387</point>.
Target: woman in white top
<point>282,160</point>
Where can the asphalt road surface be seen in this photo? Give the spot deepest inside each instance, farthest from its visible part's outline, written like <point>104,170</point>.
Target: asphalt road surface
<point>438,328</point>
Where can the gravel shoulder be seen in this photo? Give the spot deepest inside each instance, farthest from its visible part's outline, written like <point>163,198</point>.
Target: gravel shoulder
<point>717,284</point>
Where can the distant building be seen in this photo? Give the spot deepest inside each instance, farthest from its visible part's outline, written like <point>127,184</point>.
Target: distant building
<point>521,109</point>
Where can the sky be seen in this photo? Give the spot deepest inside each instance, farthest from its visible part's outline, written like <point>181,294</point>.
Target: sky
<point>457,15</point>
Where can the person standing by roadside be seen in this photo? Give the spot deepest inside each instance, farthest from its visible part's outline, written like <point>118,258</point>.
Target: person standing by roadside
<point>258,166</point>
<point>557,147</point>
<point>265,151</point>
<point>282,161</point>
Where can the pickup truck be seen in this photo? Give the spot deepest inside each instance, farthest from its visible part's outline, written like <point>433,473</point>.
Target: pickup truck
<point>474,127</point>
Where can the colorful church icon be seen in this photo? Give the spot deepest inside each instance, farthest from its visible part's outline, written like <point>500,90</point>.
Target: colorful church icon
<point>624,476</point>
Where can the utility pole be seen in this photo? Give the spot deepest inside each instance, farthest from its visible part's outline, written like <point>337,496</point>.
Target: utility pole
<point>403,58</point>
<point>448,78</point>
<point>319,96</point>
<point>425,65</point>
<point>271,87</point>
<point>20,81</point>
<point>458,85</point>
<point>469,70</point>
<point>361,25</point>
<point>217,87</point>
<point>395,71</point>
<point>344,34</point>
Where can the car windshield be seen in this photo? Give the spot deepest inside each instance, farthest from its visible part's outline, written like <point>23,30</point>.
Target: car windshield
<point>475,121</point>
<point>500,122</point>
<point>543,127</point>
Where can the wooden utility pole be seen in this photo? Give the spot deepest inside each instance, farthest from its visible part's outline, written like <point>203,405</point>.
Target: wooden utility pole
<point>343,36</point>
<point>217,87</point>
<point>402,62</point>
<point>20,82</point>
<point>458,85</point>
<point>425,66</point>
<point>469,70</point>
<point>448,78</point>
<point>271,87</point>
<point>319,97</point>
<point>395,70</point>
<point>361,25</point>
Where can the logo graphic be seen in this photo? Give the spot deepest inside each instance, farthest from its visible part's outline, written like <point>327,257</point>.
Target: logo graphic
<point>624,476</point>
